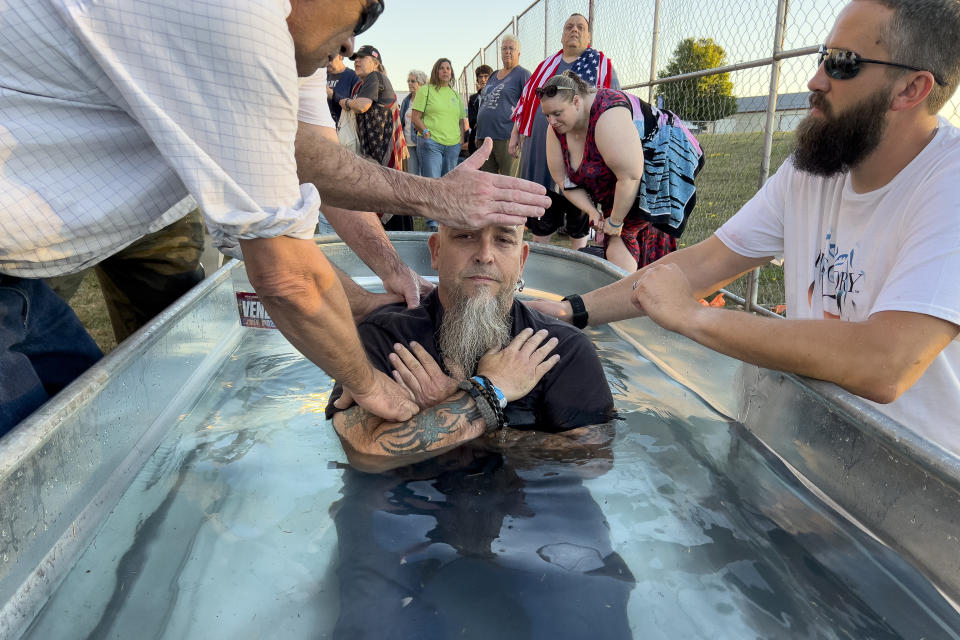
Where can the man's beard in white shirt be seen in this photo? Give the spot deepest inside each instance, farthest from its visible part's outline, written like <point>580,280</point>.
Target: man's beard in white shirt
<point>834,143</point>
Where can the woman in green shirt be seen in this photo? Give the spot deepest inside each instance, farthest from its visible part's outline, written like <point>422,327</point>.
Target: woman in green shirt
<point>440,120</point>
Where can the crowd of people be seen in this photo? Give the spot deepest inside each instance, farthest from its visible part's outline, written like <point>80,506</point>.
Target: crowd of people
<point>439,130</point>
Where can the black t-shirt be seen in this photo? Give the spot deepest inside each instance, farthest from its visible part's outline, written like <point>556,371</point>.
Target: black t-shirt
<point>572,394</point>
<point>342,84</point>
<point>377,88</point>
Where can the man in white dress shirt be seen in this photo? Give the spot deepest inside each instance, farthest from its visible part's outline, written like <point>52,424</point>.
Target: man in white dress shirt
<point>112,112</point>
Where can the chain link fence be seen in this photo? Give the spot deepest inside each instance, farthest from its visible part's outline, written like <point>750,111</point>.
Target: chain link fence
<point>736,70</point>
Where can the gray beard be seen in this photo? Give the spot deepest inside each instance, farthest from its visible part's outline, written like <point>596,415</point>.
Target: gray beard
<point>470,328</point>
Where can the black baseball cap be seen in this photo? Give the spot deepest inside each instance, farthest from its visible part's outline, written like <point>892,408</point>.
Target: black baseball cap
<point>366,50</point>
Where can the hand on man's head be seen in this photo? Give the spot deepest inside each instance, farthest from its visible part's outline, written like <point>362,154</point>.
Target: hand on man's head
<point>472,198</point>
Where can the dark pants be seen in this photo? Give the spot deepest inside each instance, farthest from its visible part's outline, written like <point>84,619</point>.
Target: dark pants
<point>561,214</point>
<point>43,347</point>
<point>143,279</point>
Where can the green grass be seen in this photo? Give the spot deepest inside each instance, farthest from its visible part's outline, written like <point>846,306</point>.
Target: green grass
<point>728,179</point>
<point>89,306</point>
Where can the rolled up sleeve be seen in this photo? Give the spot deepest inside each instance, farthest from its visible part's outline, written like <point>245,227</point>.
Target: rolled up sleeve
<point>214,84</point>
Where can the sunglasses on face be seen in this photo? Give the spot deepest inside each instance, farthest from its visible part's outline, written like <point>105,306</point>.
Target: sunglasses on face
<point>550,91</point>
<point>370,14</point>
<point>841,64</point>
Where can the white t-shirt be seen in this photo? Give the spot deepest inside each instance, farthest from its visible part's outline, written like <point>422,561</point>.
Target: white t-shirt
<point>849,255</point>
<point>111,111</point>
<point>314,108</point>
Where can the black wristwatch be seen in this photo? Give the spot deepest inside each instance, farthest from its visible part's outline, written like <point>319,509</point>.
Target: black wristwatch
<point>580,315</point>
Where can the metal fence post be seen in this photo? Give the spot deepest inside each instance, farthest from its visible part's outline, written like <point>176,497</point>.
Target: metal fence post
<point>546,26</point>
<point>590,8</point>
<point>653,51</point>
<point>753,283</point>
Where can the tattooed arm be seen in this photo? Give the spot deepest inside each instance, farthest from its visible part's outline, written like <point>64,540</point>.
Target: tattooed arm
<point>374,445</point>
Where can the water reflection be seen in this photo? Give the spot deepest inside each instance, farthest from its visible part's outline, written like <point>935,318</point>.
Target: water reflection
<point>244,525</point>
<point>487,541</point>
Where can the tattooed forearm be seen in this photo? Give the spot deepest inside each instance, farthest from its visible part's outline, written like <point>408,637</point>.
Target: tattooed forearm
<point>440,426</point>
<point>355,416</point>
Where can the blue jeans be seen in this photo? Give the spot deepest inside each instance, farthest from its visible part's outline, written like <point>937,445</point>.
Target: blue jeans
<point>413,162</point>
<point>43,347</point>
<point>436,161</point>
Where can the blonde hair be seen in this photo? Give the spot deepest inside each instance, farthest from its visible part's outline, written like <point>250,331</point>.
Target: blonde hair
<point>569,80</point>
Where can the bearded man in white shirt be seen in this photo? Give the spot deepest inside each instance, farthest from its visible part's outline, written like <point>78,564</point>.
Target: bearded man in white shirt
<point>866,215</point>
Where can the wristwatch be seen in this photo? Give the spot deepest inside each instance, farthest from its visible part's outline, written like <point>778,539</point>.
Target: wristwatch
<point>424,132</point>
<point>580,315</point>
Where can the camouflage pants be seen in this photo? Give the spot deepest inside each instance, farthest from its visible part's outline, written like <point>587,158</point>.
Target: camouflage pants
<point>142,280</point>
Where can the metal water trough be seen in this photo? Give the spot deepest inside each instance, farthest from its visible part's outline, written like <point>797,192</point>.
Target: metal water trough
<point>63,469</point>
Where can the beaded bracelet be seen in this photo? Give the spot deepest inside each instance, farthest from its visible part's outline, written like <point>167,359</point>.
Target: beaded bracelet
<point>484,406</point>
<point>492,401</point>
<point>499,400</point>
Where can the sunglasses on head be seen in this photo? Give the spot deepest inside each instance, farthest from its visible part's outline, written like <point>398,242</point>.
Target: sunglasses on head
<point>841,64</point>
<point>550,90</point>
<point>370,14</point>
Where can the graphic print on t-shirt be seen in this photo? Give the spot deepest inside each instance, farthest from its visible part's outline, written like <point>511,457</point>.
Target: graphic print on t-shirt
<point>491,99</point>
<point>837,279</point>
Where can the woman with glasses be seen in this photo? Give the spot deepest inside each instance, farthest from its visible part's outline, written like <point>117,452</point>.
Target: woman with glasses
<point>595,151</point>
<point>440,119</point>
<point>415,80</point>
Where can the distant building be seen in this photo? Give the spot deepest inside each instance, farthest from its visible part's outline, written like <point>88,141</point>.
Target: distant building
<point>751,114</point>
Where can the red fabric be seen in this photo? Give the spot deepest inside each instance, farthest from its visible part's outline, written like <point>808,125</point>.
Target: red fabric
<point>593,174</point>
<point>400,150</point>
<point>529,103</point>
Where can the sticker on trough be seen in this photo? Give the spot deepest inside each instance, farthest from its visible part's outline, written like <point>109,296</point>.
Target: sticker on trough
<point>252,311</point>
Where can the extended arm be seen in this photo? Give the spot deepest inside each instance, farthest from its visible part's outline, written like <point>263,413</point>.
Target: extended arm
<point>465,197</point>
<point>878,358</point>
<point>708,266</point>
<point>361,230</point>
<point>622,150</point>
<point>301,292</point>
<point>578,197</point>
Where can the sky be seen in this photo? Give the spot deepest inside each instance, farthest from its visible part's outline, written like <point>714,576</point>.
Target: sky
<point>412,34</point>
